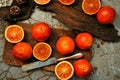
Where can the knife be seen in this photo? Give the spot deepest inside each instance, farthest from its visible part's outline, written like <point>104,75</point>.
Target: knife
<point>50,61</point>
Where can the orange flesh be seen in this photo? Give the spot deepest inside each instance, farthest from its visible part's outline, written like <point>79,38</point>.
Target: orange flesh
<point>14,34</point>
<point>91,6</point>
<point>42,51</point>
<point>67,2</point>
<point>64,70</point>
<point>42,1</point>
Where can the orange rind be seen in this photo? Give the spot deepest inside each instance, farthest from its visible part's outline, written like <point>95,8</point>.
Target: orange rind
<point>42,2</point>
<point>91,7</point>
<point>64,70</point>
<point>67,2</point>
<point>14,33</point>
<point>42,51</point>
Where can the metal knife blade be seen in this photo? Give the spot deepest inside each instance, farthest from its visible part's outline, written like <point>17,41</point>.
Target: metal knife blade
<point>39,64</point>
<point>50,61</point>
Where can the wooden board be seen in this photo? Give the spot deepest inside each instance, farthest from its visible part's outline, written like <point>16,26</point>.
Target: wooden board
<point>74,18</point>
<point>8,57</point>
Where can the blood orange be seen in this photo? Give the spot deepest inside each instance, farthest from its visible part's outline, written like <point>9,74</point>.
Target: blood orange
<point>65,45</point>
<point>82,68</point>
<point>67,2</point>
<point>91,6</point>
<point>42,51</point>
<point>106,15</point>
<point>84,40</point>
<point>64,70</point>
<point>41,31</point>
<point>42,2</point>
<point>22,51</point>
<point>14,33</point>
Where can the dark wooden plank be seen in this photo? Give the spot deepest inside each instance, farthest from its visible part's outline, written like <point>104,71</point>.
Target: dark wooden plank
<point>56,33</point>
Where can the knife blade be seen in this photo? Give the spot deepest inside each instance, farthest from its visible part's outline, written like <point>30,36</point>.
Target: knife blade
<point>50,61</point>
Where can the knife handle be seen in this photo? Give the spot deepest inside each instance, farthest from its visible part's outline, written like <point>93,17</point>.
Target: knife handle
<point>38,64</point>
<point>75,56</point>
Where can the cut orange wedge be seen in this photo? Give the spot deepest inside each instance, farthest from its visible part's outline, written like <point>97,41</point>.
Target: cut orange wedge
<point>91,7</point>
<point>42,2</point>
<point>42,51</point>
<point>66,2</point>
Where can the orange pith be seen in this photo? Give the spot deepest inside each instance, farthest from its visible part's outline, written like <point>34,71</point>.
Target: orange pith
<point>67,2</point>
<point>14,33</point>
<point>64,70</point>
<point>42,51</point>
<point>91,6</point>
<point>42,2</point>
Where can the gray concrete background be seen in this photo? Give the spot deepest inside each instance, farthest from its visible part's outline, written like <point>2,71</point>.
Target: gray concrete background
<point>105,62</point>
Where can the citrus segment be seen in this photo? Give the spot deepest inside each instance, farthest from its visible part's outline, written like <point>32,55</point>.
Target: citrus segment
<point>14,33</point>
<point>42,51</point>
<point>91,6</point>
<point>64,70</point>
<point>67,2</point>
<point>42,2</point>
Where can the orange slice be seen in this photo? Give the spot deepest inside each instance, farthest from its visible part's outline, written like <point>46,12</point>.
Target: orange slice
<point>14,33</point>
<point>42,2</point>
<point>91,7</point>
<point>42,51</point>
<point>67,2</point>
<point>64,70</point>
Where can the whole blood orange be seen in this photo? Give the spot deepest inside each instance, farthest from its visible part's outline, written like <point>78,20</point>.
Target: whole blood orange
<point>106,15</point>
<point>14,33</point>
<point>67,2</point>
<point>65,45</point>
<point>82,68</point>
<point>42,2</point>
<point>41,31</point>
<point>84,40</point>
<point>91,6</point>
<point>22,51</point>
<point>64,70</point>
<point>42,51</point>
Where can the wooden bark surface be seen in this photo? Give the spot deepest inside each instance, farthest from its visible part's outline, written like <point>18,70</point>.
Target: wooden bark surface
<point>8,57</point>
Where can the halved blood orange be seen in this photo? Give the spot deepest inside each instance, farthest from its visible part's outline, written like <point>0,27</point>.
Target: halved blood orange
<point>67,2</point>
<point>42,51</point>
<point>91,7</point>
<point>42,2</point>
<point>64,70</point>
<point>14,33</point>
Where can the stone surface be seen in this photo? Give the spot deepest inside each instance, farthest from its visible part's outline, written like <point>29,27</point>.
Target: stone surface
<point>106,55</point>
